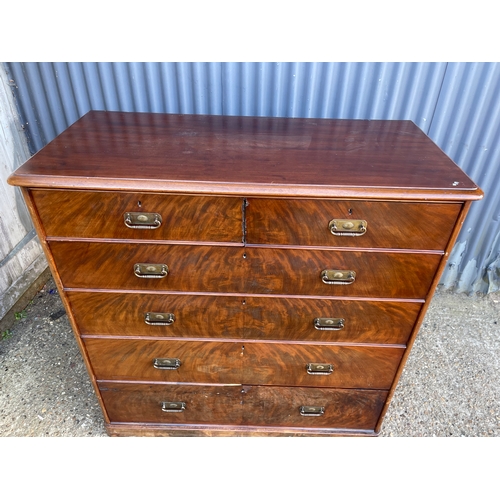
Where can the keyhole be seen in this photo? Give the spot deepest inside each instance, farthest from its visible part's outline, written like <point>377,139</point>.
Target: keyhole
<point>139,204</point>
<point>350,211</point>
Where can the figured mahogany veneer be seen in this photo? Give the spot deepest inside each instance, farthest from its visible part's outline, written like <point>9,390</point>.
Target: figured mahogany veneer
<point>243,405</point>
<point>260,318</point>
<point>418,226</point>
<point>239,209</point>
<point>252,270</point>
<point>241,362</point>
<point>100,215</point>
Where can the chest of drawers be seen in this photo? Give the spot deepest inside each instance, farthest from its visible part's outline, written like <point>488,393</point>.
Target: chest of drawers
<point>241,275</point>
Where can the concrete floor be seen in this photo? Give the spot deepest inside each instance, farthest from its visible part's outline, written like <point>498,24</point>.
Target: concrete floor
<point>450,386</point>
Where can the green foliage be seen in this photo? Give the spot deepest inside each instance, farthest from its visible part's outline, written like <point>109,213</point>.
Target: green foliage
<point>20,315</point>
<point>7,334</point>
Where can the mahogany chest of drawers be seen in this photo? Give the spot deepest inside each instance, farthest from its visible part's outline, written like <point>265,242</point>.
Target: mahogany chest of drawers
<point>242,275</point>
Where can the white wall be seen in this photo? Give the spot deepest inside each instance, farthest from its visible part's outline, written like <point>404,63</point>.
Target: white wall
<point>21,256</point>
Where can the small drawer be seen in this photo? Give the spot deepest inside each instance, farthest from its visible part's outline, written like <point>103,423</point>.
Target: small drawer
<point>253,363</point>
<point>242,405</point>
<point>398,225</point>
<point>151,403</point>
<point>142,216</point>
<point>125,314</point>
<point>197,268</point>
<point>312,407</point>
<point>348,273</point>
<point>330,320</point>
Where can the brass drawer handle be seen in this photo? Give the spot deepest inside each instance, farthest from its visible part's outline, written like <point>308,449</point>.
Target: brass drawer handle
<point>312,411</point>
<point>142,220</point>
<point>335,277</point>
<point>319,369</point>
<point>166,363</point>
<point>329,323</point>
<point>150,270</point>
<point>159,319</point>
<point>347,227</point>
<point>173,406</point>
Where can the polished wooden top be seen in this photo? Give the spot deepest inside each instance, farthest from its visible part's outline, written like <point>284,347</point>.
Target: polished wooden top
<point>247,156</point>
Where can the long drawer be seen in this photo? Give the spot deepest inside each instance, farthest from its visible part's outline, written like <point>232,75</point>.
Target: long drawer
<point>250,270</point>
<point>166,217</point>
<point>261,318</point>
<point>241,405</point>
<point>244,363</point>
<point>402,225</point>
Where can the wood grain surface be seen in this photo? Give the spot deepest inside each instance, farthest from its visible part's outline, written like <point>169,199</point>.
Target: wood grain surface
<point>378,274</point>
<point>419,226</point>
<point>123,314</point>
<point>261,318</point>
<point>242,405</point>
<point>221,154</point>
<point>100,215</point>
<point>244,363</point>
<point>249,270</point>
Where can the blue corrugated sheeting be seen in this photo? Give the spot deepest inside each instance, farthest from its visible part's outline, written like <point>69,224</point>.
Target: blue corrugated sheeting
<point>456,104</point>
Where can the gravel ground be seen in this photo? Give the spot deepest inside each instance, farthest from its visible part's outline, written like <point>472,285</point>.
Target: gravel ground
<point>450,386</point>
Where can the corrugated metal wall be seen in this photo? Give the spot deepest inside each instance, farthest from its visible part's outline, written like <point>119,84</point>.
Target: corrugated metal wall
<point>456,104</point>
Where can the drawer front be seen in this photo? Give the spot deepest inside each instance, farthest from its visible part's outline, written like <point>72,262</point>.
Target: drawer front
<point>262,271</point>
<point>102,215</point>
<point>362,321</point>
<point>242,405</point>
<point>111,266</point>
<point>144,403</point>
<point>342,408</point>
<point>262,318</point>
<point>244,363</point>
<point>378,274</point>
<point>126,314</point>
<point>421,226</point>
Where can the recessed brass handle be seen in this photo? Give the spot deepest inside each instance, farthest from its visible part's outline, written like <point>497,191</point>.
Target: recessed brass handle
<point>166,363</point>
<point>329,323</point>
<point>347,227</point>
<point>150,270</point>
<point>159,319</point>
<point>319,369</point>
<point>312,411</point>
<point>142,220</point>
<point>336,277</point>
<point>173,406</point>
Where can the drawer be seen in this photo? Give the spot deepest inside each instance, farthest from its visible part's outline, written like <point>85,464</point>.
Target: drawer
<point>101,215</point>
<point>242,405</point>
<point>363,321</point>
<point>125,314</point>
<point>204,404</point>
<point>111,266</point>
<point>244,362</point>
<point>342,408</point>
<point>398,225</point>
<point>378,274</point>
<point>198,316</point>
<point>250,270</point>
